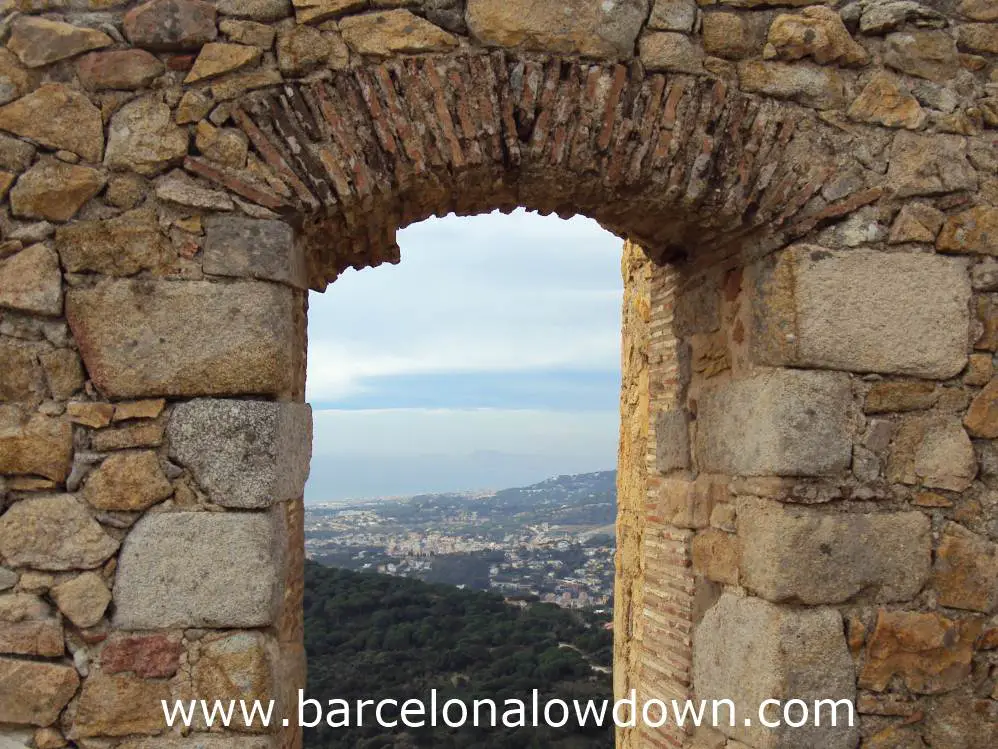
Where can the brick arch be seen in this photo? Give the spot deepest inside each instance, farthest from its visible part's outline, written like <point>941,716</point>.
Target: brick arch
<point>670,161</point>
<point>809,196</point>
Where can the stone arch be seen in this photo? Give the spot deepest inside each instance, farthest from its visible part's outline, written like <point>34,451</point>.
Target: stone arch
<point>809,204</point>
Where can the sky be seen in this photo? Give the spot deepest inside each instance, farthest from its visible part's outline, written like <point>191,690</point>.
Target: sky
<point>488,358</point>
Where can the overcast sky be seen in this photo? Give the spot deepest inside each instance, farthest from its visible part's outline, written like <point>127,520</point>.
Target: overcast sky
<point>490,357</point>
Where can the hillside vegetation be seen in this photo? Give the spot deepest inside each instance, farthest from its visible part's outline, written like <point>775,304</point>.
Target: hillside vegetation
<point>376,637</point>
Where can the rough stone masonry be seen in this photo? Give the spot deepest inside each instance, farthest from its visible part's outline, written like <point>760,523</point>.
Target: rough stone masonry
<point>809,190</point>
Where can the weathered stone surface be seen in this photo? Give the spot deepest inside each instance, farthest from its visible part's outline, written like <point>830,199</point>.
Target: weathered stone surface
<point>884,102</point>
<point>982,417</point>
<point>689,504</point>
<point>932,451</point>
<point>966,570</point>
<point>979,10</point>
<point>810,85</point>
<point>816,32</point>
<point>58,117</point>
<point>15,154</point>
<point>54,190</point>
<point>253,248</point>
<point>669,50</point>
<point>303,48</point>
<point>673,15</point>
<point>715,556</point>
<point>733,36</point>
<point>8,578</point>
<point>673,441</point>
<point>122,69</point>
<point>900,396</point>
<point>258,10</point>
<point>226,145</point>
<point>978,37</point>
<point>30,281</point>
<point>916,222</point>
<point>235,667</point>
<point>128,481</point>
<point>747,650</point>
<point>922,165</point>
<point>119,705</point>
<point>22,381</point>
<point>53,532</point>
<point>34,693</point>
<point>246,454</point>
<point>924,54</point>
<point>120,246</point>
<point>144,409</point>
<point>94,415</point>
<point>63,372</point>
<point>144,137</point>
<point>248,32</point>
<point>888,15</point>
<point>584,27</point>
<point>34,444</point>
<point>219,58</point>
<point>974,230</point>
<point>27,627</point>
<point>83,599</point>
<point>40,41</point>
<point>154,656</point>
<point>15,80</point>
<point>314,11</point>
<point>394,31</point>
<point>863,311</point>
<point>784,422</point>
<point>197,569</point>
<point>177,187</point>
<point>929,652</point>
<point>802,555</point>
<point>128,436</point>
<point>133,348</point>
<point>171,24</point>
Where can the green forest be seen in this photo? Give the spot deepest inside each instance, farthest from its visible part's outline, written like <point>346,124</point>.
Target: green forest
<point>377,637</point>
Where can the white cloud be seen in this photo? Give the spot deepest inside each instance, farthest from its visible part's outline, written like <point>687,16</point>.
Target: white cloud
<point>488,293</point>
<point>411,432</point>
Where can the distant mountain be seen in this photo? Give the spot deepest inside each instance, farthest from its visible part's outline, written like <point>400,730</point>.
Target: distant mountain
<point>375,637</point>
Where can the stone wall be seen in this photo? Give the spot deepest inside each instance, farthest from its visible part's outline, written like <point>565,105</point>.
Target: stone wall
<point>808,343</point>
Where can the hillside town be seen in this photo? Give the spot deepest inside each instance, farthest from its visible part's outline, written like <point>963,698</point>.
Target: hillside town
<point>553,540</point>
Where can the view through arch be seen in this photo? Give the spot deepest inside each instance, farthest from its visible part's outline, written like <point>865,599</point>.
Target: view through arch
<point>488,359</point>
<point>813,190</point>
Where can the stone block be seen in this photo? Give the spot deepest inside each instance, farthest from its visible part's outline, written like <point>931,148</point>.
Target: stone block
<point>53,532</point>
<point>30,281</point>
<point>715,556</point>
<point>27,627</point>
<point>783,422</point>
<point>929,165</point>
<point>83,599</point>
<point>672,441</point>
<point>966,571</point>
<point>119,705</point>
<point>128,481</point>
<point>198,569</point>
<point>120,246</point>
<point>932,451</point>
<point>152,656</point>
<point>234,667</point>
<point>246,454</point>
<point>576,27</point>
<point>862,311</point>
<point>802,555</point>
<point>928,652</point>
<point>747,650</point>
<point>164,338</point>
<point>34,693</point>
<point>35,444</point>
<point>253,248</point>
